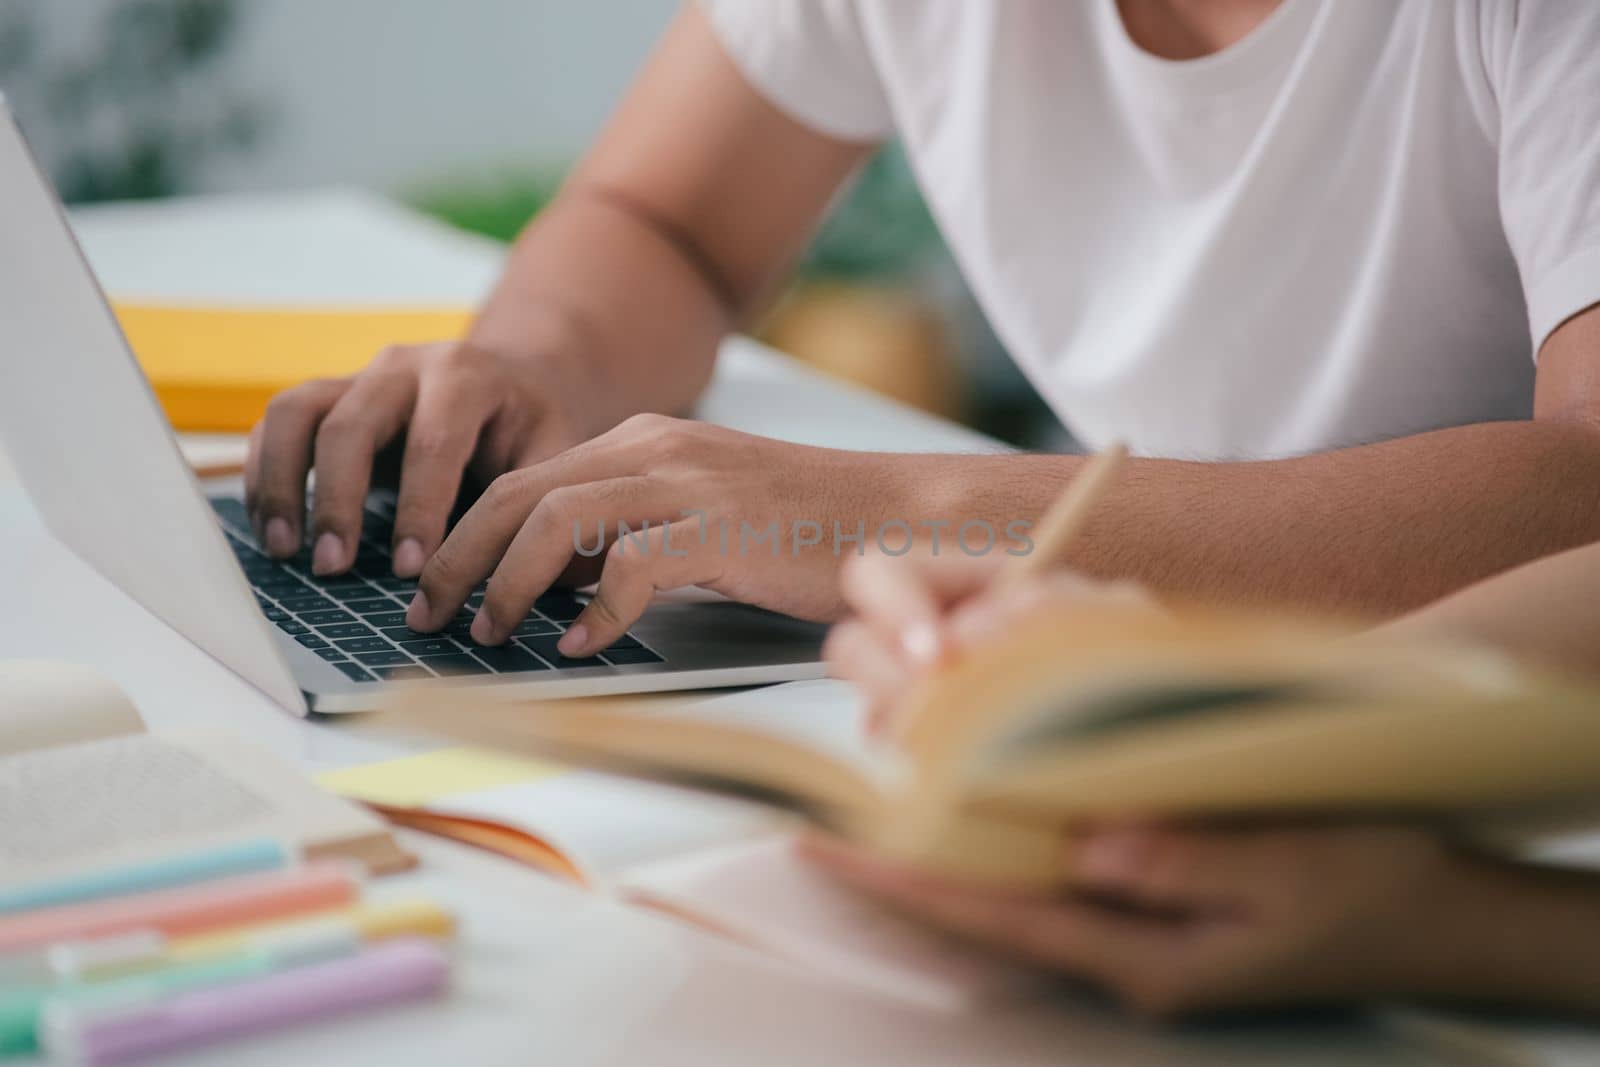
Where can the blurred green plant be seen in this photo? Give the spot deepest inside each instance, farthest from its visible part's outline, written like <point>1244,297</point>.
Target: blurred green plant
<point>497,203</point>
<point>134,115</point>
<point>880,229</point>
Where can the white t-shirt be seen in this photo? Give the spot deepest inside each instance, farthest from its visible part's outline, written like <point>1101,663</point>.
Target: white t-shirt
<point>1357,223</point>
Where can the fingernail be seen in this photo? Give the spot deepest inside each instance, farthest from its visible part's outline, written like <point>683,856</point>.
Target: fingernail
<point>419,614</point>
<point>408,559</point>
<point>280,538</point>
<point>922,642</point>
<point>1108,857</point>
<point>328,556</point>
<point>574,641</point>
<point>483,629</point>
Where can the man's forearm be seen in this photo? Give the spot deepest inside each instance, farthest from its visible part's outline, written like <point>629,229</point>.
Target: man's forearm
<point>1543,611</point>
<point>614,302</point>
<point>1372,530</point>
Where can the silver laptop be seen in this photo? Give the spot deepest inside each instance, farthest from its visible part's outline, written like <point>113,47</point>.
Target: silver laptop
<point>101,465</point>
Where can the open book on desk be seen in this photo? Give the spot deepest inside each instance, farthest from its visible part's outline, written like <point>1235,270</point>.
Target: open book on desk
<point>84,787</point>
<point>725,867</point>
<point>1116,714</point>
<point>1120,714</point>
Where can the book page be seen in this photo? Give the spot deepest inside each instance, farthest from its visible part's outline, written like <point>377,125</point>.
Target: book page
<point>606,825</point>
<point>46,702</point>
<point>764,895</point>
<point>141,797</point>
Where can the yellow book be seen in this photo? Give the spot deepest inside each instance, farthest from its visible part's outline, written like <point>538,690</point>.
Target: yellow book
<point>215,368</point>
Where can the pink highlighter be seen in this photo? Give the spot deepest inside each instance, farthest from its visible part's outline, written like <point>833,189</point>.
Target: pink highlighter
<point>187,910</point>
<point>393,972</point>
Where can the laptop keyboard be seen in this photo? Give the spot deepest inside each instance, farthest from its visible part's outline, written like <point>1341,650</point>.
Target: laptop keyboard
<point>356,620</point>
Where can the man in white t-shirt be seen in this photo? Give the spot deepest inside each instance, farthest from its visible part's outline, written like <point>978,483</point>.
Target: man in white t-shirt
<point>1331,268</point>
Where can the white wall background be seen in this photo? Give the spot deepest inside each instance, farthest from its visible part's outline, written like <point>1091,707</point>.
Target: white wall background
<point>385,93</point>
<point>381,92</point>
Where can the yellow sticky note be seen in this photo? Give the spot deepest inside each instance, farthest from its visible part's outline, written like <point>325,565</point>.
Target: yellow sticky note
<point>415,781</point>
<point>215,368</point>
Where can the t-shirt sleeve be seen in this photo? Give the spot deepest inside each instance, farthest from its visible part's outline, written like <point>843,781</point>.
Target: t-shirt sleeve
<point>1544,64</point>
<point>810,58</point>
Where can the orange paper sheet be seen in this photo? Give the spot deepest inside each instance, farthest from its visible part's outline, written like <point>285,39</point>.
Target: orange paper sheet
<point>214,368</point>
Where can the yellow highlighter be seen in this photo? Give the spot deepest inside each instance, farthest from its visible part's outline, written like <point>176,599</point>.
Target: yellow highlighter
<point>314,935</point>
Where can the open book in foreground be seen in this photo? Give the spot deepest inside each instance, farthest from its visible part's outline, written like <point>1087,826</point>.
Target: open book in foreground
<point>83,787</point>
<point>722,866</point>
<point>1118,714</point>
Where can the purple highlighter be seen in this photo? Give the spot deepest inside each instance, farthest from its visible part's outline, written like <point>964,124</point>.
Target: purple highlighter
<point>393,972</point>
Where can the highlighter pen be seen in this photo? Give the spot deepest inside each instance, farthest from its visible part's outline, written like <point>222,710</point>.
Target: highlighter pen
<point>244,857</point>
<point>396,971</point>
<point>216,960</point>
<point>144,951</point>
<point>22,1013</point>
<point>189,909</point>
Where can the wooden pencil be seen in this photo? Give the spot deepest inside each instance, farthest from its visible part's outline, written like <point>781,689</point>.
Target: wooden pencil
<point>1064,519</point>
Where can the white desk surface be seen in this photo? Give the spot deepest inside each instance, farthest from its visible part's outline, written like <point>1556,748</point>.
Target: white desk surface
<point>547,973</point>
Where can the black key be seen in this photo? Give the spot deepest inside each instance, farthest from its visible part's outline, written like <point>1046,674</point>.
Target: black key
<point>458,664</point>
<point>294,627</point>
<point>384,619</point>
<point>625,641</point>
<point>405,672</point>
<point>509,658</point>
<point>365,644</point>
<point>419,645</point>
<point>271,578</point>
<point>248,557</point>
<point>375,567</point>
<point>354,672</point>
<point>262,575</point>
<point>475,601</point>
<point>232,510</point>
<point>460,626</point>
<point>405,638</point>
<point>274,613</point>
<point>545,646</point>
<point>302,604</point>
<point>331,584</point>
<point>319,619</point>
<point>369,607</point>
<point>345,630</point>
<point>279,586</point>
<point>533,626</point>
<point>624,656</point>
<point>332,655</point>
<point>402,633</point>
<point>311,641</point>
<point>393,657</point>
<point>562,607</point>
<point>299,564</point>
<point>344,592</point>
<point>404,588</point>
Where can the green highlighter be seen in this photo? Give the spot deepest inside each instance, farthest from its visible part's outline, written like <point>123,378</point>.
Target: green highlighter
<point>21,1010</point>
<point>19,1018</point>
